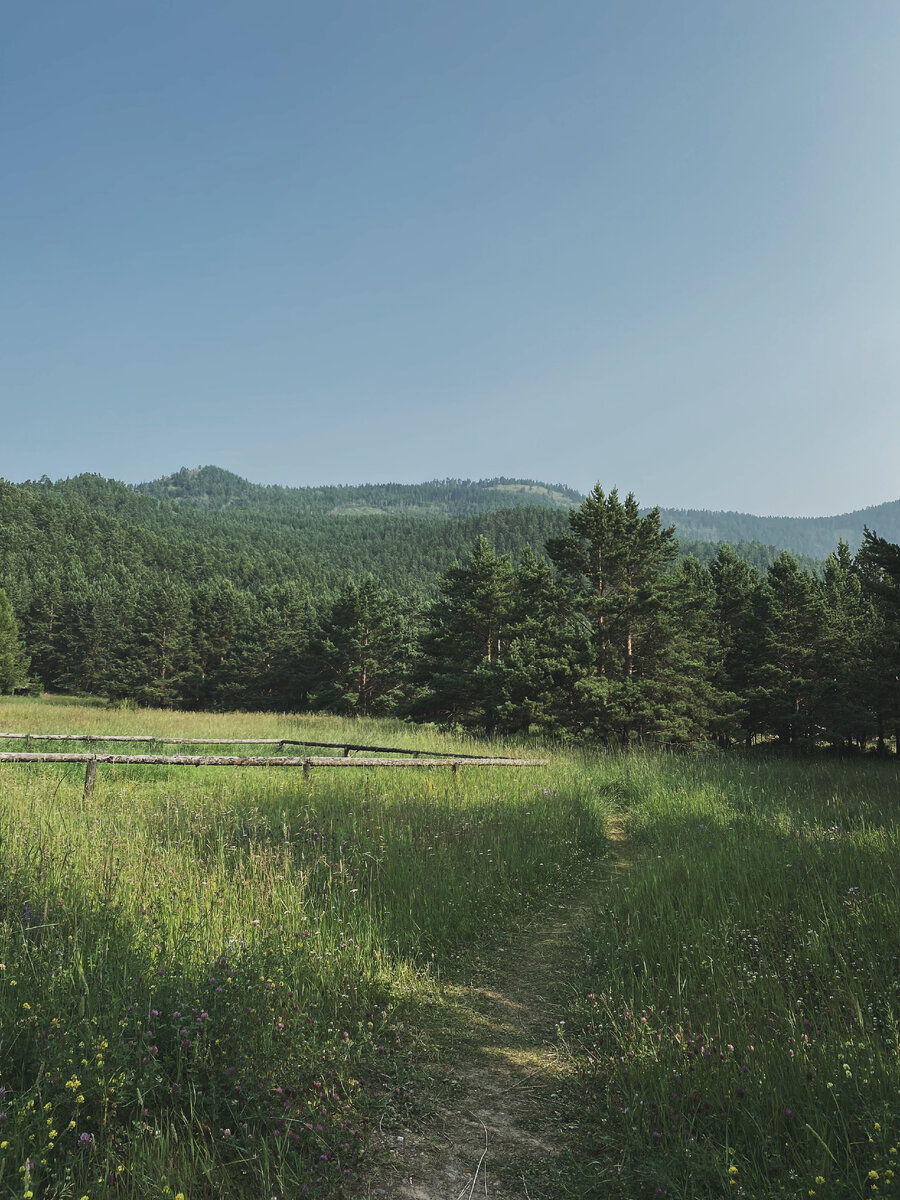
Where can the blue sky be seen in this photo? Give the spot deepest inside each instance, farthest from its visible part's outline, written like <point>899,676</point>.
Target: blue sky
<point>647,243</point>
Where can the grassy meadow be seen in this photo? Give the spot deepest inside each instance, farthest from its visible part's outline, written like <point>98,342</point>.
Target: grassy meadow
<point>735,1000</point>
<point>214,982</point>
<point>210,978</point>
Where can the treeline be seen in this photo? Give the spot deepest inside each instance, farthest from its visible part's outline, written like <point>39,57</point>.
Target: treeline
<point>213,487</point>
<point>602,635</point>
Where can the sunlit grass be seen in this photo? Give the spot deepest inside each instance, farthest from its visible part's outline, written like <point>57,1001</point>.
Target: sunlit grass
<point>210,977</point>
<point>736,1021</point>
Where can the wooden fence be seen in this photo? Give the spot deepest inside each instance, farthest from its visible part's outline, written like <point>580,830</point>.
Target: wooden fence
<point>149,739</point>
<point>432,758</point>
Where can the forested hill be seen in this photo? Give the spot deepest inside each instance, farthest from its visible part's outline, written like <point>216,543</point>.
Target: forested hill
<point>815,536</point>
<point>205,590</point>
<point>90,527</point>
<point>214,488</point>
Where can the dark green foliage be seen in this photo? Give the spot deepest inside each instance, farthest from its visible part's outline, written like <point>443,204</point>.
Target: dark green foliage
<point>878,563</point>
<point>213,488</point>
<point>785,681</point>
<point>359,655</point>
<point>813,536</point>
<point>465,639</point>
<point>646,635</point>
<point>13,661</point>
<point>478,604</point>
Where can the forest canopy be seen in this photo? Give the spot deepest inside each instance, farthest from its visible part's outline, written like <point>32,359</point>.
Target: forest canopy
<point>504,606</point>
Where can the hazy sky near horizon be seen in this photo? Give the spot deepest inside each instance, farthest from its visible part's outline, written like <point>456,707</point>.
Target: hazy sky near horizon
<point>645,243</point>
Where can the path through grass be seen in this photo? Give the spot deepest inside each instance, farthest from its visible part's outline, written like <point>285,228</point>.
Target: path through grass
<point>215,982</point>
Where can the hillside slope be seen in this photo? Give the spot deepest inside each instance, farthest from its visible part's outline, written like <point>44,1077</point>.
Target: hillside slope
<point>816,536</point>
<point>214,488</point>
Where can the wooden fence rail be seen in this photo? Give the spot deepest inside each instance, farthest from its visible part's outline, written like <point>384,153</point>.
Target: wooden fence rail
<point>231,760</point>
<point>149,739</point>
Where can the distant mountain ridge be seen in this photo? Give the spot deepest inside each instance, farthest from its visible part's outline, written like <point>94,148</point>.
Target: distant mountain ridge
<point>215,488</point>
<point>815,536</point>
<point>212,488</point>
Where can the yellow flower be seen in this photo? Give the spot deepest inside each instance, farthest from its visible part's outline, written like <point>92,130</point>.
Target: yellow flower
<point>27,1006</point>
<point>3,1145</point>
<point>873,1175</point>
<point>732,1170</point>
<point>820,1179</point>
<point>179,1196</point>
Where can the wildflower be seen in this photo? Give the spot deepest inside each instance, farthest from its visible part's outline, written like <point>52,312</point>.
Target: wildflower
<point>820,1179</point>
<point>3,1145</point>
<point>732,1170</point>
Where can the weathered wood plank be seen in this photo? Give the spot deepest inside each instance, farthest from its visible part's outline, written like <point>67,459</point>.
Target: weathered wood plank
<point>90,777</point>
<point>148,739</point>
<point>232,760</point>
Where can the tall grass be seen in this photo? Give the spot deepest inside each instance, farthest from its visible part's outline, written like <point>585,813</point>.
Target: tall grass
<point>209,979</point>
<point>735,1020</point>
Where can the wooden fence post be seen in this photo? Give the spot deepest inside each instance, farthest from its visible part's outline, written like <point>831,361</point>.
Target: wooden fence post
<point>90,777</point>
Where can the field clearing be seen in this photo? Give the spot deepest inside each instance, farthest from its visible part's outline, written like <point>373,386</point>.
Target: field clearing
<point>210,979</point>
<point>735,1021</point>
<point>222,982</point>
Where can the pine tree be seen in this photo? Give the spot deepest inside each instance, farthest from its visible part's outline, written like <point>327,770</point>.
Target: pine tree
<point>14,662</point>
<point>878,562</point>
<point>464,640</point>
<point>849,620</point>
<point>360,652</point>
<point>535,675</point>
<point>788,676</point>
<point>736,584</point>
<point>612,567</point>
<point>160,661</point>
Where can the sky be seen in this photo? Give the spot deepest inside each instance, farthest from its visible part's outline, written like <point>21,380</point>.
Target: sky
<point>646,244</point>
